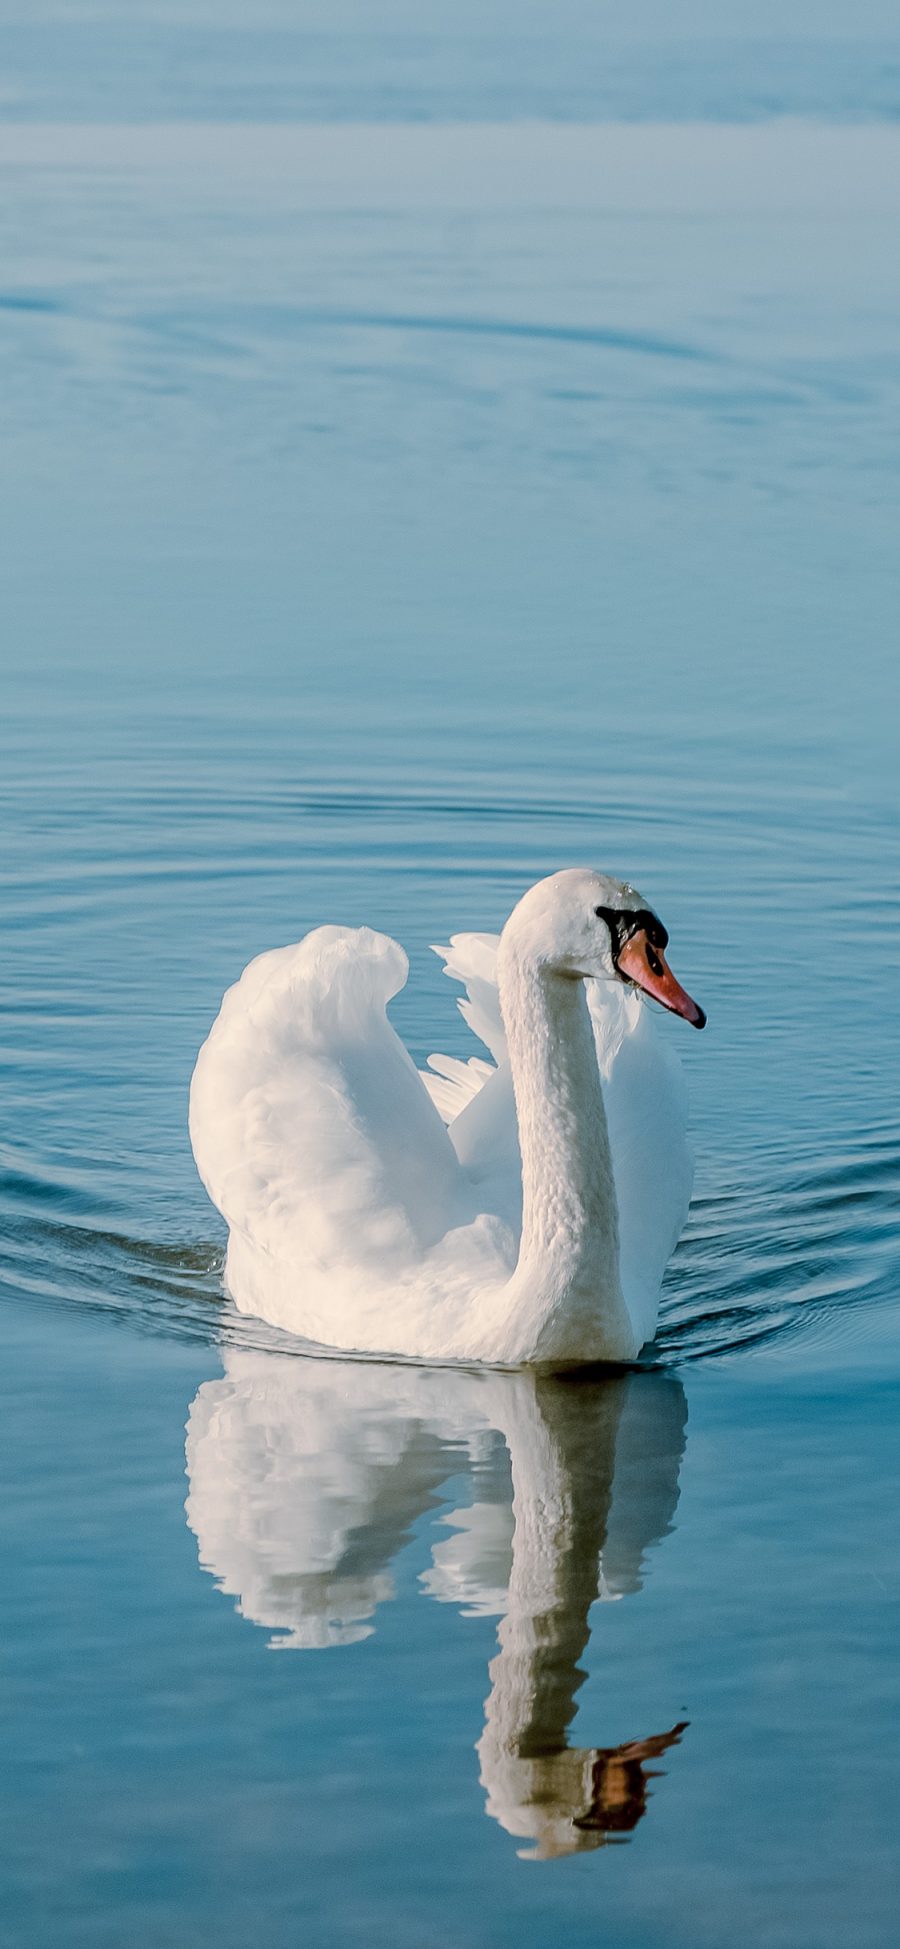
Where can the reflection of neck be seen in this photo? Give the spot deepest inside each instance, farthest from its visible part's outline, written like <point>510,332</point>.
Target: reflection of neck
<point>568,1271</point>
<point>562,1471</point>
<point>563,1439</point>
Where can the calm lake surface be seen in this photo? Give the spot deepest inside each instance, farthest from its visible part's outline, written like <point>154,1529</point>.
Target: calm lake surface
<point>408,489</point>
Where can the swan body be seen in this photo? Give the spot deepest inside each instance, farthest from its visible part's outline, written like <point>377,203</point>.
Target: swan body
<point>518,1212</point>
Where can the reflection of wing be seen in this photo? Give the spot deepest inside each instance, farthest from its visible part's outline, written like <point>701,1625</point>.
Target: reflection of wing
<point>646,1109</point>
<point>471,1569</point>
<point>288,1465</point>
<point>649,1444</point>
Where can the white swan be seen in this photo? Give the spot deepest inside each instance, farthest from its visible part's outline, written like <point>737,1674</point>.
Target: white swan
<point>360,1221</point>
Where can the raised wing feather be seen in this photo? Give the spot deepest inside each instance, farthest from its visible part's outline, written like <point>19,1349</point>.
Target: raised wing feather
<point>451,1083</point>
<point>472,960</point>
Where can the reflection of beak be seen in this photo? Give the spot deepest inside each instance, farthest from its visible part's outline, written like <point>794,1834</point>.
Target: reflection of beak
<point>647,967</point>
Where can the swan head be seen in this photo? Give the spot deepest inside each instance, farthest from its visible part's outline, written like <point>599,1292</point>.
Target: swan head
<point>588,926</point>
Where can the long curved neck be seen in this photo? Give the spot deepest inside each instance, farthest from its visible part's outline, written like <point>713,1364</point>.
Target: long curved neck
<point>568,1269</point>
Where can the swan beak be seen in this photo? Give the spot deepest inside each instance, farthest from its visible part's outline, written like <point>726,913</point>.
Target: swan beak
<point>646,965</point>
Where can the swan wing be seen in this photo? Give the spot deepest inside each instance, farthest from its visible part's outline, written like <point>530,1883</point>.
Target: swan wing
<point>475,1097</point>
<point>452,1083</point>
<point>472,960</point>
<point>310,1126</point>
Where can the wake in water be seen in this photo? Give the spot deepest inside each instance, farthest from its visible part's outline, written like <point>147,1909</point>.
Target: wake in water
<point>810,1254</point>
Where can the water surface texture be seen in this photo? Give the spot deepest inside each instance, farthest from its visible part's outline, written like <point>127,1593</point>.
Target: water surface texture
<point>418,474</point>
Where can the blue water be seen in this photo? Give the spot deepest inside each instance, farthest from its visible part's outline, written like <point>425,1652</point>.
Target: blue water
<point>394,511</point>
<point>400,61</point>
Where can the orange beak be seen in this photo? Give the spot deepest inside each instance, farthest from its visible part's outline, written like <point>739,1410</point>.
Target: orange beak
<point>648,968</point>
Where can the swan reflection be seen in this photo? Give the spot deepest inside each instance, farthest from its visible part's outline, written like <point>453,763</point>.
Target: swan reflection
<point>306,1477</point>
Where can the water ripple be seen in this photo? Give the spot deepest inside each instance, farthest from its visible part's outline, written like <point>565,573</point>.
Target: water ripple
<point>799,1258</point>
<point>297,318</point>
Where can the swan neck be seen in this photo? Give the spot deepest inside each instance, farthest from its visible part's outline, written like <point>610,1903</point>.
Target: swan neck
<point>570,1232</point>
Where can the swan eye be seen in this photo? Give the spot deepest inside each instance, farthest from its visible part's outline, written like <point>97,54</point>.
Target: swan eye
<point>623,923</point>
<point>620,925</point>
